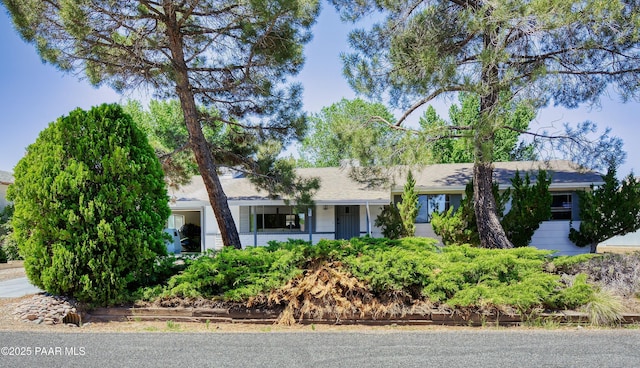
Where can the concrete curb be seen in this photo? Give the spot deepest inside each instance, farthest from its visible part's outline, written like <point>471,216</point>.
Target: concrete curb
<point>436,318</point>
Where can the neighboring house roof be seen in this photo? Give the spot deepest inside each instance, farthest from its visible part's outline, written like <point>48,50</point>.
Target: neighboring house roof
<point>336,186</point>
<point>6,177</point>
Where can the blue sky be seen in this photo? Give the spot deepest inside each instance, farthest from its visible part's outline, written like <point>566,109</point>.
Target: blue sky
<point>34,94</point>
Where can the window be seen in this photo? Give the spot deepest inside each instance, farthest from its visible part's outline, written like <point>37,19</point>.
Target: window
<point>561,206</point>
<point>430,203</point>
<point>275,219</point>
<point>175,221</point>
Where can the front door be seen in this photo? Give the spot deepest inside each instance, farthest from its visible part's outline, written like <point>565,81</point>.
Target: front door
<point>347,222</point>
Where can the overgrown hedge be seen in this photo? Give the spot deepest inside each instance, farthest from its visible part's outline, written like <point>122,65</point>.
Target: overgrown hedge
<point>412,268</point>
<point>90,206</point>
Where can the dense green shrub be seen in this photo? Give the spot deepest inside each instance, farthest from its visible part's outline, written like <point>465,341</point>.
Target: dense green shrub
<point>160,271</point>
<point>577,294</point>
<point>458,225</point>
<point>530,205</point>
<point>607,210</point>
<point>412,268</point>
<point>8,246</point>
<point>90,206</point>
<point>399,220</point>
<point>236,274</point>
<point>390,222</point>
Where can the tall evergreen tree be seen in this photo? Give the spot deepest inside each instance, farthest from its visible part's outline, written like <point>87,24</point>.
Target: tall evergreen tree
<point>530,205</point>
<point>234,56</point>
<point>163,123</point>
<point>90,206</point>
<point>506,52</point>
<point>409,206</point>
<point>610,209</point>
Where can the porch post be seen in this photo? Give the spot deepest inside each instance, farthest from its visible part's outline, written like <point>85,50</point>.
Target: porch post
<point>310,223</point>
<point>368,219</point>
<point>254,212</point>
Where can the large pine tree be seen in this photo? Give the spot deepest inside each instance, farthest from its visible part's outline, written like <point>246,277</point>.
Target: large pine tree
<point>234,56</point>
<point>504,51</point>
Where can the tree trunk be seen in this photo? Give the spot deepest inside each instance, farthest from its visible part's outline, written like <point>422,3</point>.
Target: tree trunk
<point>197,141</point>
<point>491,233</point>
<point>594,247</point>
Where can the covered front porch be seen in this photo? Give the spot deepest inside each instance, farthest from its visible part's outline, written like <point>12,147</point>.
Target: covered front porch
<point>262,223</point>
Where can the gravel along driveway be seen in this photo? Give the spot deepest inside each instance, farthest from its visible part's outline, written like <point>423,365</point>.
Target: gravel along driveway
<point>11,273</point>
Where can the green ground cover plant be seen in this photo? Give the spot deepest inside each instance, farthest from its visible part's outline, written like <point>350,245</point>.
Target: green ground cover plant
<point>409,271</point>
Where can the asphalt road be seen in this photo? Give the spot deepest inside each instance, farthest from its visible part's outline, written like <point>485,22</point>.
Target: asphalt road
<point>449,348</point>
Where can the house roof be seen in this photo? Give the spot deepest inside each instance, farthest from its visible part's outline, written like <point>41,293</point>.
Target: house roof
<point>454,177</point>
<point>6,177</point>
<point>336,186</point>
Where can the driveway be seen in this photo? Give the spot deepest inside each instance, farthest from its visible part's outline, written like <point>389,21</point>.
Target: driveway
<point>18,287</point>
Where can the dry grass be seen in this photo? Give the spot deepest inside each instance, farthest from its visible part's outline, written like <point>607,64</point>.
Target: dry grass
<point>605,309</point>
<point>328,291</point>
<point>618,274</point>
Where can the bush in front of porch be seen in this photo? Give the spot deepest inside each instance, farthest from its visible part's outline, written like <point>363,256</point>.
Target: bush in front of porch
<point>379,276</point>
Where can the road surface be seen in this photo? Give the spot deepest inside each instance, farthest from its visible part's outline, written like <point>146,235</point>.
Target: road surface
<point>448,348</point>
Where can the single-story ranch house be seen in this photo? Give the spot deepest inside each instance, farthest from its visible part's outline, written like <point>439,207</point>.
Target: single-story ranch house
<point>6,179</point>
<point>345,209</point>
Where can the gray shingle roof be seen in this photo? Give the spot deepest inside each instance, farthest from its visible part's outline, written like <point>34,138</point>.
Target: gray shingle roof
<point>6,177</point>
<point>564,174</point>
<point>336,185</point>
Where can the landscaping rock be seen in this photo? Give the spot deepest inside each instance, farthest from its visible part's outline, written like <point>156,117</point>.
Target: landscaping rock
<point>48,309</point>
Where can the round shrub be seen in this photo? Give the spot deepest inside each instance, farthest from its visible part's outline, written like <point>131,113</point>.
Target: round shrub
<point>90,206</point>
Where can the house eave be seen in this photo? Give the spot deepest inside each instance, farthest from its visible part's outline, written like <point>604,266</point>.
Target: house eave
<point>187,204</point>
<point>280,202</point>
<point>460,189</point>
